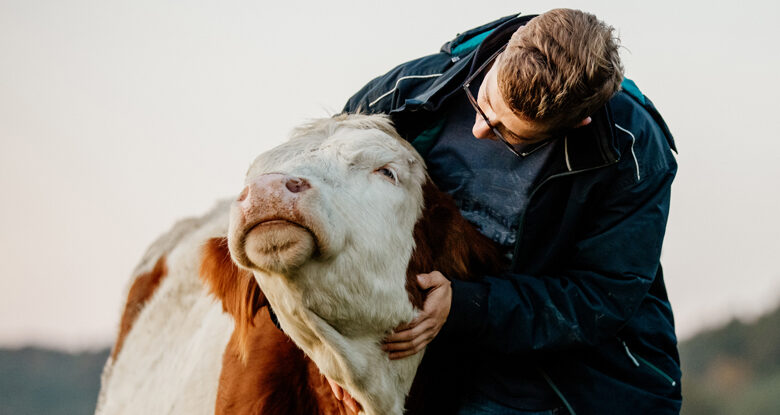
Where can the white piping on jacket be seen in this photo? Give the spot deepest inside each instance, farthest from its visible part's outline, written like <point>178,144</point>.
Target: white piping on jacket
<point>566,151</point>
<point>633,141</point>
<point>371,104</point>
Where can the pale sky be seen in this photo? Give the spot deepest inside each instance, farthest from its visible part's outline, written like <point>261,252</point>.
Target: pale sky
<point>118,118</point>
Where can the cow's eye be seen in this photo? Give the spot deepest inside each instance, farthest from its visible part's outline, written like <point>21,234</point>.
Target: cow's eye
<point>388,173</point>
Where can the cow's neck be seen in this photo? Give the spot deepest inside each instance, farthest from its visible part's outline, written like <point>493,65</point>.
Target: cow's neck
<point>341,329</point>
<point>356,301</point>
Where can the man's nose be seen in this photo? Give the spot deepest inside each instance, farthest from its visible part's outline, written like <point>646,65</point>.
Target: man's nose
<point>481,129</point>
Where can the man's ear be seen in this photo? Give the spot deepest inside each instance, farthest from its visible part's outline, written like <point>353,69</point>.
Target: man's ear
<point>584,122</point>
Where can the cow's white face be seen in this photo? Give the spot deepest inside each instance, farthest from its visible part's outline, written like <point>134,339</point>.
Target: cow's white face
<point>333,210</point>
<point>331,226</point>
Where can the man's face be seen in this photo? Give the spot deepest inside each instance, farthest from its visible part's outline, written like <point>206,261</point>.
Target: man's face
<point>514,129</point>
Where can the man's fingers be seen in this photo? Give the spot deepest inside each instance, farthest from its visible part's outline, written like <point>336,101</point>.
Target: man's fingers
<point>410,340</point>
<point>352,403</point>
<point>402,355</point>
<point>412,324</point>
<point>400,346</point>
<point>338,392</point>
<point>409,334</point>
<point>431,280</point>
<point>343,396</point>
<point>424,281</point>
<point>408,352</point>
<point>402,336</point>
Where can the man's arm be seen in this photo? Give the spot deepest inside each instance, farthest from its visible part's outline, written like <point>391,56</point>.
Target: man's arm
<point>611,268</point>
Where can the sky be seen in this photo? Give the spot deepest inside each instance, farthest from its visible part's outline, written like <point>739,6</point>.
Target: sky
<point>118,118</point>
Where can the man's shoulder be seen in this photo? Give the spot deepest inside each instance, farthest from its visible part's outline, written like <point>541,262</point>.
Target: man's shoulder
<point>644,146</point>
<point>631,110</point>
<point>640,133</point>
<point>420,80</point>
<point>386,92</point>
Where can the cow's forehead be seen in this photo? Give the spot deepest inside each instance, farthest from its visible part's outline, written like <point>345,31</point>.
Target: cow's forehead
<point>370,147</point>
<point>353,147</point>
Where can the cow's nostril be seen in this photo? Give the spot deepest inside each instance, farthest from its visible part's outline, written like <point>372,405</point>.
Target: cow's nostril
<point>297,185</point>
<point>243,194</point>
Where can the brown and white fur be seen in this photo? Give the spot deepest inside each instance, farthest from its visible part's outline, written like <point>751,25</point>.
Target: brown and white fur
<point>328,230</point>
<point>331,229</point>
<point>167,357</point>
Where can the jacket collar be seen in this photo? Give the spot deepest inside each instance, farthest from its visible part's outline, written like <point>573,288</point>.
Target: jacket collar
<point>500,32</point>
<point>592,145</point>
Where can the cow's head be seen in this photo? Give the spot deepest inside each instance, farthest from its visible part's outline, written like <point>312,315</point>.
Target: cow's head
<point>345,186</point>
<point>343,208</point>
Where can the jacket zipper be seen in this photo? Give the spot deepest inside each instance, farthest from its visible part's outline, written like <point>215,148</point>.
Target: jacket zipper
<point>557,391</point>
<point>635,359</point>
<point>514,259</point>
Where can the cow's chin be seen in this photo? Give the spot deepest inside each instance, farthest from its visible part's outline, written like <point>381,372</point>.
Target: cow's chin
<point>279,246</point>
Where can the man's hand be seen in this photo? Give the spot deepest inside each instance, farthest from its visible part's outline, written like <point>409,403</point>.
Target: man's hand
<point>344,396</point>
<point>408,339</point>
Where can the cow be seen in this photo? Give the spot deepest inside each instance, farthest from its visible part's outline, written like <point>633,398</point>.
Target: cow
<point>328,235</point>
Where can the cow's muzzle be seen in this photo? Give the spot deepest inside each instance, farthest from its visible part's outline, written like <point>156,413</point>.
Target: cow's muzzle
<point>273,227</point>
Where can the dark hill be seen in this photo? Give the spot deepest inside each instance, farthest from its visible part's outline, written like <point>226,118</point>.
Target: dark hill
<point>734,369</point>
<point>39,381</point>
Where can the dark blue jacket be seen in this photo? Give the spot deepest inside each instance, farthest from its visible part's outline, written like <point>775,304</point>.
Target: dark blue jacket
<point>585,294</point>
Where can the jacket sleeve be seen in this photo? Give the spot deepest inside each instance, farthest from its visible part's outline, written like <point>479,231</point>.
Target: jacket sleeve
<point>361,100</point>
<point>388,92</point>
<point>608,274</point>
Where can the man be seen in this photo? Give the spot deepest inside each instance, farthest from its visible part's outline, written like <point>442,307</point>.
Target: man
<point>571,173</point>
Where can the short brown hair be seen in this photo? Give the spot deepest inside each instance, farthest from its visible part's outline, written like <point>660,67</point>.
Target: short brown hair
<point>560,68</point>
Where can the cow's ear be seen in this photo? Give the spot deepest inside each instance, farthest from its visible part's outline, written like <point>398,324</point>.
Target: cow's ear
<point>237,289</point>
<point>446,242</point>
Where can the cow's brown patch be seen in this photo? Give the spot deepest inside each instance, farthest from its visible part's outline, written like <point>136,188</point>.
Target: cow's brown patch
<point>140,292</point>
<point>237,289</point>
<point>264,372</point>
<point>271,376</point>
<point>448,243</point>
